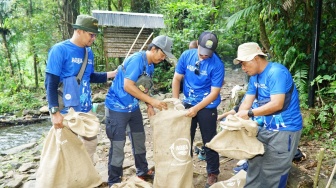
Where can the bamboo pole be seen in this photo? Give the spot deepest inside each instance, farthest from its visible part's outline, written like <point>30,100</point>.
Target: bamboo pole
<point>331,177</point>
<point>129,51</point>
<point>146,41</point>
<point>319,163</point>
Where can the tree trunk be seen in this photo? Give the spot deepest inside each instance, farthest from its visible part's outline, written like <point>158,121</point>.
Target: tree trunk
<point>264,38</point>
<point>142,6</point>
<point>68,11</point>
<point>35,70</point>
<point>5,44</point>
<point>32,46</point>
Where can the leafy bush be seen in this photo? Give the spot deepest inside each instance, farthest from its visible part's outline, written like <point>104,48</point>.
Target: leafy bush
<point>24,99</point>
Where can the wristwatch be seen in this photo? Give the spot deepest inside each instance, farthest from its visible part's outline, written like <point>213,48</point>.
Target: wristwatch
<point>53,110</point>
<point>250,113</point>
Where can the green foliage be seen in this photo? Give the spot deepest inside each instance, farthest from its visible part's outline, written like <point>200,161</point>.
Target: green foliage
<point>25,99</point>
<point>163,77</point>
<point>185,21</point>
<point>322,123</point>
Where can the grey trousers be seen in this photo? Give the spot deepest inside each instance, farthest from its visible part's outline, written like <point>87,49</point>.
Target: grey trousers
<point>270,170</point>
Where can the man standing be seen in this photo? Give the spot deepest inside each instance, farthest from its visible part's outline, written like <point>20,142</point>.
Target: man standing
<point>202,72</point>
<point>131,84</point>
<point>271,84</point>
<point>65,60</point>
<point>193,44</point>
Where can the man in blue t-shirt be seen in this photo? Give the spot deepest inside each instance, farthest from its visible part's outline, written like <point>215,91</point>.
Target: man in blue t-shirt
<point>202,72</point>
<point>132,84</point>
<point>64,62</point>
<point>277,98</point>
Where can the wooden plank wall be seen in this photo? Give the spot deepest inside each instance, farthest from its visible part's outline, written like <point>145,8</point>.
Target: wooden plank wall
<point>118,40</point>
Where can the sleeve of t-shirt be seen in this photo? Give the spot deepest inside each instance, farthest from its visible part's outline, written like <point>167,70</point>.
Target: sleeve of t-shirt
<point>55,60</point>
<point>251,88</point>
<point>91,55</point>
<point>98,77</point>
<point>134,68</point>
<point>180,67</point>
<point>277,81</point>
<point>218,75</point>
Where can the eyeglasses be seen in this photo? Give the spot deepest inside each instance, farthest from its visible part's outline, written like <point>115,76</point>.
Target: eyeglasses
<point>93,35</point>
<point>197,66</point>
<point>163,54</point>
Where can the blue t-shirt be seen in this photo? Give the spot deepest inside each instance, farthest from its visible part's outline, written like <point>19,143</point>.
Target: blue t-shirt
<point>65,60</point>
<point>117,99</point>
<point>197,87</point>
<point>276,79</point>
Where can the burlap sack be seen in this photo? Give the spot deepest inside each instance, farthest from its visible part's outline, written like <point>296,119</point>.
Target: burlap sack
<point>238,139</point>
<point>65,162</point>
<point>171,134</point>
<point>237,181</point>
<point>133,182</point>
<point>84,124</point>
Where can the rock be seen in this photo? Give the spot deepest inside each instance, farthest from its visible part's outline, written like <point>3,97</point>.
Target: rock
<point>16,183</point>
<point>26,166</point>
<point>15,165</point>
<point>128,163</point>
<point>98,97</point>
<point>29,184</point>
<point>298,178</point>
<point>1,174</point>
<point>159,96</point>
<point>10,174</point>
<point>18,149</point>
<point>169,95</point>
<point>44,109</point>
<point>324,182</point>
<point>31,112</point>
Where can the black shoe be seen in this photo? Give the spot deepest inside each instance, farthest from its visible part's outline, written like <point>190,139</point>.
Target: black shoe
<point>212,179</point>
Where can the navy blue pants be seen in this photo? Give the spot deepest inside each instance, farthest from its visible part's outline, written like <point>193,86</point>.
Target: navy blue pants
<point>116,123</point>
<point>207,121</point>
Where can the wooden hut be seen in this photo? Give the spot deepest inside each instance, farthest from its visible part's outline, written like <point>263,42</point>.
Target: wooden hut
<point>120,29</point>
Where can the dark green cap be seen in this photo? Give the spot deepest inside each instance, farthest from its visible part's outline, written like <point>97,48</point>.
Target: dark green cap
<point>86,23</point>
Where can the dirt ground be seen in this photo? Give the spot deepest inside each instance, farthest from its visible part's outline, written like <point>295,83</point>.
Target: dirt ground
<point>232,78</point>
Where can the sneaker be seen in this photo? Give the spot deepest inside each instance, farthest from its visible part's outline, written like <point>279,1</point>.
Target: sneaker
<point>212,178</point>
<point>244,166</point>
<point>148,176</point>
<point>299,156</point>
<point>201,155</point>
<point>196,150</point>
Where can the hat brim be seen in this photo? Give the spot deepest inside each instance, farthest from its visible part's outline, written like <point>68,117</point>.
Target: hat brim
<point>168,54</point>
<point>205,51</point>
<point>85,28</point>
<point>247,58</point>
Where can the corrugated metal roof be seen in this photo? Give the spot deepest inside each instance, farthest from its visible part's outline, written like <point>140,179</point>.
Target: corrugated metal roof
<point>128,19</point>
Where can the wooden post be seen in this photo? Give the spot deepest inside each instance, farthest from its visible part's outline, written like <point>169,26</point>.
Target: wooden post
<point>331,176</point>
<point>129,51</point>
<point>146,41</point>
<point>319,163</point>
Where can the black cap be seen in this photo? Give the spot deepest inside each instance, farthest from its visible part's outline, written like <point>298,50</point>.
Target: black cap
<point>207,43</point>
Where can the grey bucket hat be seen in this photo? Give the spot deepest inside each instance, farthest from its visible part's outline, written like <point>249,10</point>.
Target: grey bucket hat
<point>86,23</point>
